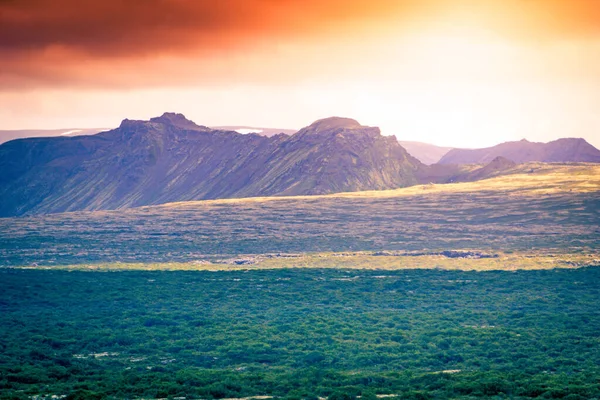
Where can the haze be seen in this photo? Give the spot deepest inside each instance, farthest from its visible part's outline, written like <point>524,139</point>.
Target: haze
<point>461,73</point>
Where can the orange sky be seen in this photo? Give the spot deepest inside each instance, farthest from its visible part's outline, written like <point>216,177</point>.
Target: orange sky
<point>451,72</point>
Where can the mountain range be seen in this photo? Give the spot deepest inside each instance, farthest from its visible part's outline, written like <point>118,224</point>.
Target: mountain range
<point>561,150</point>
<point>8,135</point>
<point>170,159</point>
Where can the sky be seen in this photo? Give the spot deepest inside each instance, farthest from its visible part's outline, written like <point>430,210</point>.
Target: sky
<point>461,73</point>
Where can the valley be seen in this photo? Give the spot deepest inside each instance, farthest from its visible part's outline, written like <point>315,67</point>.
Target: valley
<point>458,290</point>
<point>299,200</point>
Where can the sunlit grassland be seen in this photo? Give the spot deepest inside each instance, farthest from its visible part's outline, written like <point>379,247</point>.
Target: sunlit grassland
<point>358,260</point>
<point>539,216</point>
<point>524,179</point>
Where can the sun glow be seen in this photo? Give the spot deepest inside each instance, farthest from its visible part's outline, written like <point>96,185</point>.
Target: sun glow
<point>464,87</point>
<point>454,73</point>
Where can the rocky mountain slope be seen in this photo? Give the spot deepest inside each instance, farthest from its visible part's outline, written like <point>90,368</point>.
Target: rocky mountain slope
<point>561,150</point>
<point>170,158</point>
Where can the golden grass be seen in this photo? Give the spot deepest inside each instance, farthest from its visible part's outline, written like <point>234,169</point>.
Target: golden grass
<point>364,261</point>
<point>527,180</point>
<point>524,179</point>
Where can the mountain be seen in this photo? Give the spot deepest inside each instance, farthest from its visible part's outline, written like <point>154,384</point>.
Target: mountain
<point>252,129</point>
<point>499,165</point>
<point>7,135</point>
<point>426,153</point>
<point>561,150</point>
<point>452,173</point>
<point>170,158</point>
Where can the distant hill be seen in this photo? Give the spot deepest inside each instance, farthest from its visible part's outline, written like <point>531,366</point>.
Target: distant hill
<point>170,158</point>
<point>259,131</point>
<point>425,152</point>
<point>452,173</point>
<point>561,150</point>
<point>7,135</point>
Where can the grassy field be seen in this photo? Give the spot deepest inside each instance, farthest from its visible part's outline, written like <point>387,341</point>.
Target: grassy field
<point>552,210</point>
<point>356,260</point>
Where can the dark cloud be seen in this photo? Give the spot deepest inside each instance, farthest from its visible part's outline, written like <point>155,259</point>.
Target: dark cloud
<point>95,42</point>
<point>115,27</point>
<point>98,42</point>
<point>111,27</point>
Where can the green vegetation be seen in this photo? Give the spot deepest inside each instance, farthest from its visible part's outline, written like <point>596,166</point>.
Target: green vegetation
<point>355,294</point>
<point>300,333</point>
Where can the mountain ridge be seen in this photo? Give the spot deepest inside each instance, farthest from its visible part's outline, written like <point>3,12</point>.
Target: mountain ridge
<point>170,158</point>
<point>560,150</point>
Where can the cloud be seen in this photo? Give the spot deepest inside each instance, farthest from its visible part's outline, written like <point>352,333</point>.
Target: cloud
<point>132,43</point>
<point>117,42</point>
<point>137,27</point>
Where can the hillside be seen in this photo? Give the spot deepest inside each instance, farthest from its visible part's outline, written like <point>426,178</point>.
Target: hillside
<point>561,150</point>
<point>170,158</point>
<point>540,207</point>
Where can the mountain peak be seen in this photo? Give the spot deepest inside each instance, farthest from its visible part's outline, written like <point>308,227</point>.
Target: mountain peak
<point>175,119</point>
<point>168,118</point>
<point>334,123</point>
